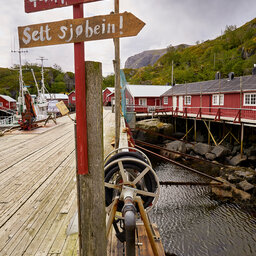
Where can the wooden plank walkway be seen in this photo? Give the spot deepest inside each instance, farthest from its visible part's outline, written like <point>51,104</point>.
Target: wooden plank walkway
<point>38,189</point>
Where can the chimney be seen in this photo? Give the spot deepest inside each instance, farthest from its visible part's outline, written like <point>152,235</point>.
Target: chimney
<point>254,70</point>
<point>217,75</point>
<point>231,76</point>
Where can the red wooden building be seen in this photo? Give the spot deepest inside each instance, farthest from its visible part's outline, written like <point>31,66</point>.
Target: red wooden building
<point>72,100</point>
<point>6,102</point>
<point>230,99</point>
<point>144,98</point>
<point>108,95</point>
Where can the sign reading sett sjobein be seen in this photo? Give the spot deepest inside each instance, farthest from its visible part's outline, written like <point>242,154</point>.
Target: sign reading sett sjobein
<point>79,30</point>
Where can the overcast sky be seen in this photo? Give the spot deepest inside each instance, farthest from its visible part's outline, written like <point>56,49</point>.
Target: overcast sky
<point>167,22</point>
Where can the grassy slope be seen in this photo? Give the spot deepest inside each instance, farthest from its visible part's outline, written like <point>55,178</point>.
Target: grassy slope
<point>234,51</point>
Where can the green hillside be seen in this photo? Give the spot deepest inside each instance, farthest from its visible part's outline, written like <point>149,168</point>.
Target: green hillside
<point>234,51</point>
<point>55,79</point>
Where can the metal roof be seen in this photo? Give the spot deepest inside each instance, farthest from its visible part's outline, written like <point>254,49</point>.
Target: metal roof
<point>147,90</point>
<point>111,89</point>
<point>214,86</point>
<point>56,96</point>
<point>7,98</point>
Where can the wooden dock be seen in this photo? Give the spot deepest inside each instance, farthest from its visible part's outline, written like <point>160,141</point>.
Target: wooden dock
<point>38,201</point>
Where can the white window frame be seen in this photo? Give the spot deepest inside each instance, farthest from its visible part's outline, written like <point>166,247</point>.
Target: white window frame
<point>218,99</point>
<point>187,100</point>
<point>74,98</point>
<point>127,101</point>
<point>248,96</point>
<point>166,101</point>
<point>1,104</point>
<point>142,101</point>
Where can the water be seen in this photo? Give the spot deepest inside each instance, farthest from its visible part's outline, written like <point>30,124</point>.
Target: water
<point>192,224</point>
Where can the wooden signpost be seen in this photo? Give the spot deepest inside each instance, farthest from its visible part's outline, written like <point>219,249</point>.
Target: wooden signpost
<point>91,202</point>
<point>80,30</point>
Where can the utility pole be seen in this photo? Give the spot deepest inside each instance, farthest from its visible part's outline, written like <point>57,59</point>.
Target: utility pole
<point>172,72</point>
<point>117,83</point>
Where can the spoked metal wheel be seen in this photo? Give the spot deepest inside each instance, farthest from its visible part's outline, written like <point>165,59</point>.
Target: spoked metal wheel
<point>134,173</point>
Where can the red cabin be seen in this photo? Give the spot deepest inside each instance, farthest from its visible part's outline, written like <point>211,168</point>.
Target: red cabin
<point>6,102</point>
<point>108,94</point>
<point>228,99</point>
<point>72,100</point>
<point>144,98</point>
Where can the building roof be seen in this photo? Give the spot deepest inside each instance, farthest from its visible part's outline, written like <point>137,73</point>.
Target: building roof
<point>214,86</point>
<point>7,98</point>
<point>111,89</point>
<point>147,90</point>
<point>56,96</point>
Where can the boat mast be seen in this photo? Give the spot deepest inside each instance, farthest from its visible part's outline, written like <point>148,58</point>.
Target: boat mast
<point>21,99</point>
<point>42,74</point>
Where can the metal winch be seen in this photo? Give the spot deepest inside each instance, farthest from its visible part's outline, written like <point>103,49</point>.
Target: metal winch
<point>131,190</point>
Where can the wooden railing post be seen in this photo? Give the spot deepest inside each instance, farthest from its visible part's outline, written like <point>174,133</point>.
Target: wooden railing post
<point>91,192</point>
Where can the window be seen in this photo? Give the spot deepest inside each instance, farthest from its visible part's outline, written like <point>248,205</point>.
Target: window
<point>127,101</point>
<point>143,102</point>
<point>250,99</point>
<point>187,100</point>
<point>218,99</point>
<point>165,100</point>
<point>1,104</point>
<point>74,98</point>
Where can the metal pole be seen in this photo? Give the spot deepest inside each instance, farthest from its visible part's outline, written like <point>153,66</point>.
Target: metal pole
<point>117,84</point>
<point>172,72</point>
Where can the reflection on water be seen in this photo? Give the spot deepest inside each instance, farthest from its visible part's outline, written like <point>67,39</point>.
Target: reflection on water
<point>192,224</point>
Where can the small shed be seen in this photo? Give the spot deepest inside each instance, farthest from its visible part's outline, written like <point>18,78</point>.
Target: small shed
<point>6,102</point>
<point>108,94</point>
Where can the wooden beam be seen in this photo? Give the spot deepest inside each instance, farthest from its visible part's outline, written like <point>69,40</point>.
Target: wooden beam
<point>92,217</point>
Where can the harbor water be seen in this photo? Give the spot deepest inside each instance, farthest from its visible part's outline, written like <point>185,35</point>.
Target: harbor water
<point>193,224</point>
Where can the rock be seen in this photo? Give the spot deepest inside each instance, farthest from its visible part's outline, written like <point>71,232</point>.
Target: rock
<point>251,151</point>
<point>252,158</point>
<point>151,127</point>
<point>189,147</point>
<point>210,156</point>
<point>233,179</point>
<point>245,185</point>
<point>201,148</point>
<point>228,190</point>
<point>220,151</point>
<point>244,174</point>
<point>200,137</point>
<point>236,160</point>
<point>235,150</point>
<point>177,146</point>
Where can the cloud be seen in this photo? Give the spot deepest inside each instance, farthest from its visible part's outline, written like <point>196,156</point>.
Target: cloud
<point>167,22</point>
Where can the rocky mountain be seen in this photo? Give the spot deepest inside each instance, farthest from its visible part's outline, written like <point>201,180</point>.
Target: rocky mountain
<point>148,58</point>
<point>143,59</point>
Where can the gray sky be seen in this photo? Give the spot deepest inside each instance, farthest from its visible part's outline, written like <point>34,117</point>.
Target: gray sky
<point>167,22</point>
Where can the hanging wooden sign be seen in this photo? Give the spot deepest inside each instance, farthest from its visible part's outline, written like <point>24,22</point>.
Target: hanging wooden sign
<point>41,5</point>
<point>79,30</point>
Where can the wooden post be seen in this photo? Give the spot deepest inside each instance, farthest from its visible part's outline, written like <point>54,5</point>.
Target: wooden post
<point>91,192</point>
<point>82,154</point>
<point>186,129</point>
<point>242,139</point>
<point>117,83</point>
<point>209,136</point>
<point>195,130</point>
